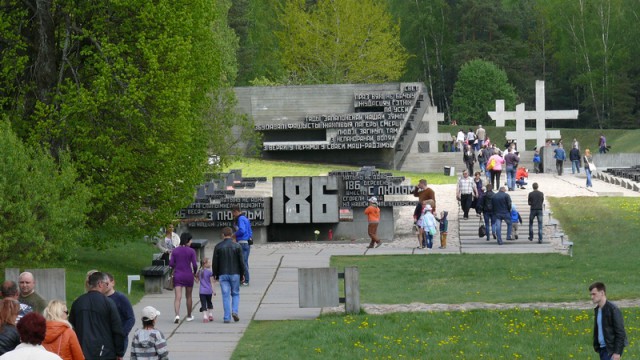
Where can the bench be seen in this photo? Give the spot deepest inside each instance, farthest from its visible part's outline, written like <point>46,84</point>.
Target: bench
<point>155,278</point>
<point>198,245</point>
<point>566,244</point>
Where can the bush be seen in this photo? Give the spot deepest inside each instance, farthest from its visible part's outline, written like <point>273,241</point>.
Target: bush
<point>43,208</point>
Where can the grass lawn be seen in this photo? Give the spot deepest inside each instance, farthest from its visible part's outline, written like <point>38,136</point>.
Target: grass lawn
<point>269,169</point>
<point>508,334</point>
<point>604,232</point>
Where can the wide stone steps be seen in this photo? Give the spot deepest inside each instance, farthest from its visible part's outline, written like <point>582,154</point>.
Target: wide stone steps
<point>435,162</point>
<point>471,243</point>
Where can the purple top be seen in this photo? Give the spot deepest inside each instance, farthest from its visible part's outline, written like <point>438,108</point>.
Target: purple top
<point>184,264</point>
<point>205,281</point>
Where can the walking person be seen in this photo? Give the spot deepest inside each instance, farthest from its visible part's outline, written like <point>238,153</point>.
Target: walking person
<point>574,157</point>
<point>60,338</point>
<point>536,203</point>
<point>206,290</point>
<point>501,203</point>
<point>444,228</point>
<point>243,236</point>
<point>228,269</point>
<point>184,265</point>
<point>494,165</point>
<point>511,162</point>
<point>469,158</point>
<point>516,220</point>
<point>465,192</point>
<point>609,335</point>
<point>602,144</point>
<point>373,218</point>
<point>487,212</point>
<point>588,165</point>
<point>125,310</point>
<point>560,157</point>
<point>96,321</point>
<point>480,134</point>
<point>149,343</point>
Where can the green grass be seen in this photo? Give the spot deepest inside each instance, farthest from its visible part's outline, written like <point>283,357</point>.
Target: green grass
<point>604,231</point>
<point>122,260</point>
<point>508,334</point>
<point>269,169</point>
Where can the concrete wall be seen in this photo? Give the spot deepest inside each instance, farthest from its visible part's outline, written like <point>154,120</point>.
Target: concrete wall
<point>274,104</point>
<point>604,161</point>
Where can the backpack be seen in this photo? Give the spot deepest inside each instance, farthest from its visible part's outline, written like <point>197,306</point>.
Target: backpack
<point>491,164</point>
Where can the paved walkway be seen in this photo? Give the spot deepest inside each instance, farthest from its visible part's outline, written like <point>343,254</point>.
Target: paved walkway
<point>273,293</point>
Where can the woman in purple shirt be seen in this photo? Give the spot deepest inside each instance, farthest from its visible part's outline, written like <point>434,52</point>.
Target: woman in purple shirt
<point>184,265</point>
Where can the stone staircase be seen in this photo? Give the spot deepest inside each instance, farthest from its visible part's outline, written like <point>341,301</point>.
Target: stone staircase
<point>435,162</point>
<point>551,243</point>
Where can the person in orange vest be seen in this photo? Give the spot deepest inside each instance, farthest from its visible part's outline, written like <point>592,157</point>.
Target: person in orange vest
<point>373,217</point>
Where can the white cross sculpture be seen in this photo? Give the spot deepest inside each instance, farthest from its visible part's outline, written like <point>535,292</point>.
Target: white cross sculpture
<point>540,115</point>
<point>433,117</point>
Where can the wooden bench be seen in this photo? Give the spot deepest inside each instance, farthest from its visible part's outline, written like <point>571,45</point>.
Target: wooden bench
<point>155,278</point>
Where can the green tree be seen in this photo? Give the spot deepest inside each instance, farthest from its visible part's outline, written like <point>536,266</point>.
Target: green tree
<point>346,41</point>
<point>43,206</point>
<point>127,87</point>
<point>480,83</point>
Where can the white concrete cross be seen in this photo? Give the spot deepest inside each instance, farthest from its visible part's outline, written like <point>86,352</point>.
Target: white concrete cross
<point>540,115</point>
<point>433,117</point>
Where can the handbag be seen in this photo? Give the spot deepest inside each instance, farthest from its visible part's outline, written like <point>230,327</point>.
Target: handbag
<point>592,167</point>
<point>482,231</point>
<point>492,164</point>
<point>170,285</point>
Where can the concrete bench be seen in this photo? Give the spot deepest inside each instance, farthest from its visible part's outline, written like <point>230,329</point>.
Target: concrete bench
<point>155,278</point>
<point>566,244</point>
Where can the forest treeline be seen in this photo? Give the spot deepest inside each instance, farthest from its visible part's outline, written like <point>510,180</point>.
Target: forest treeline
<point>584,50</point>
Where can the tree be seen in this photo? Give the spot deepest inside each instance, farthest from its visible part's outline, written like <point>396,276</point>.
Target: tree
<point>480,83</point>
<point>340,41</point>
<point>127,88</point>
<point>43,206</point>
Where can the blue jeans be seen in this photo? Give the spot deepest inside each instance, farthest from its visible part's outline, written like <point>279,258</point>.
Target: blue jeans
<point>588,172</point>
<point>483,167</point>
<point>489,224</point>
<point>604,354</point>
<point>427,240</point>
<point>575,166</point>
<point>534,214</point>
<point>511,177</point>
<point>230,288</point>
<point>246,250</point>
<point>498,220</point>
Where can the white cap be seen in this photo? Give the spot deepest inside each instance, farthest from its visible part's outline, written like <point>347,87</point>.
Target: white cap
<point>428,207</point>
<point>150,313</point>
<point>373,199</point>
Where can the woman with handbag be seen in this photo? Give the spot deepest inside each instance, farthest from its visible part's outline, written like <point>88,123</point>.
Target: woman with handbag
<point>184,265</point>
<point>589,166</point>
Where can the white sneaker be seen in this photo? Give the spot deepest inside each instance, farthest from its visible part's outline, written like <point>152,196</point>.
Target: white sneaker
<point>190,318</point>
<point>177,319</point>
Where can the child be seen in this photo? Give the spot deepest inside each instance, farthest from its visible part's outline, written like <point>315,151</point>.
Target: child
<point>206,290</point>
<point>444,227</point>
<point>515,219</point>
<point>536,161</point>
<point>149,343</point>
<point>428,225</point>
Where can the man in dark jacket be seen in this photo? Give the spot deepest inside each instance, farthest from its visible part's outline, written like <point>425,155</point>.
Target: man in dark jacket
<point>487,212</point>
<point>609,336</point>
<point>536,203</point>
<point>501,203</point>
<point>228,268</point>
<point>96,321</point>
<point>574,156</point>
